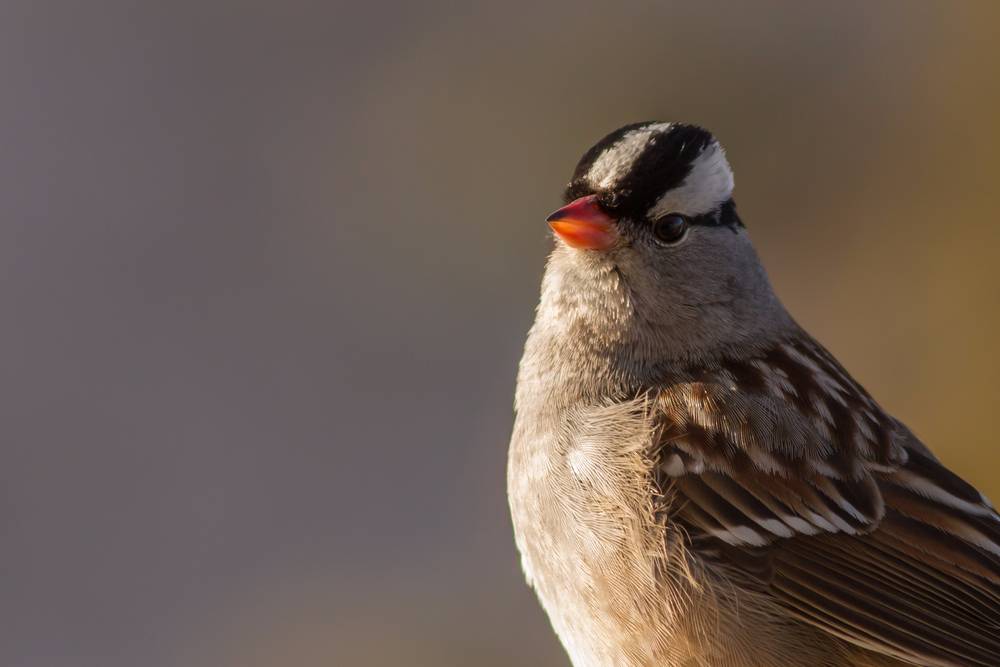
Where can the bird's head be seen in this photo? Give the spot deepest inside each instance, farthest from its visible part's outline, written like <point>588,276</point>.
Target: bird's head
<point>650,209</point>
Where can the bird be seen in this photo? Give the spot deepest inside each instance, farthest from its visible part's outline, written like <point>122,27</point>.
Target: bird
<point>693,479</point>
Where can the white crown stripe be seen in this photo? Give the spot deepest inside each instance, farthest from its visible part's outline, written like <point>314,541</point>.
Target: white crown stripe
<point>617,160</point>
<point>708,185</point>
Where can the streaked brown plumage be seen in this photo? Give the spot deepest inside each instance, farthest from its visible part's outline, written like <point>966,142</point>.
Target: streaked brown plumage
<point>845,518</point>
<point>694,481</point>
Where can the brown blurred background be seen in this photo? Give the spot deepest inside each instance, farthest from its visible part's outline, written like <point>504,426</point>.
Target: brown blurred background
<point>267,268</point>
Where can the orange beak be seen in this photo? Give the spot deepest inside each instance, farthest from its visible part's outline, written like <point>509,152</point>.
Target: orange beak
<point>583,224</point>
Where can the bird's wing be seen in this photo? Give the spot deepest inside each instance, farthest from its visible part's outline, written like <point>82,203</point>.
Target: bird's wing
<point>783,468</point>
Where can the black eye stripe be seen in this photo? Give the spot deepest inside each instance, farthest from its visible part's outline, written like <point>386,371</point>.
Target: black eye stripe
<point>726,216</point>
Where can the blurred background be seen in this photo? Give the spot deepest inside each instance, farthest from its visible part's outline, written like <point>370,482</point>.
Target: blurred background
<point>267,268</point>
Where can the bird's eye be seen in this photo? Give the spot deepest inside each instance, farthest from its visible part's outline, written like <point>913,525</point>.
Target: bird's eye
<point>670,228</point>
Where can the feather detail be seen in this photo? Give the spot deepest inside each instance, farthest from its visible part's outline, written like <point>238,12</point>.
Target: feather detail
<point>783,468</point>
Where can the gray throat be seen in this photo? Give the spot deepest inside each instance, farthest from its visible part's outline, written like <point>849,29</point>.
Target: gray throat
<point>597,337</point>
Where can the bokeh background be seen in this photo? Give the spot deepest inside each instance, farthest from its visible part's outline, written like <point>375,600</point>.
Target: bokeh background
<point>266,269</point>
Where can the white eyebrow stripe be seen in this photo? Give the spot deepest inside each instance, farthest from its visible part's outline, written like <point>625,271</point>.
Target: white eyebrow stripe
<point>617,159</point>
<point>707,186</point>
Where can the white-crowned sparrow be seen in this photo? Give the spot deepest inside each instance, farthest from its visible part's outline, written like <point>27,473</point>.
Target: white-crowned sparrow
<point>693,479</point>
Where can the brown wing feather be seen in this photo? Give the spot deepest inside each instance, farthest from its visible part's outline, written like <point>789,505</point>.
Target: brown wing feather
<point>857,529</point>
<point>886,593</point>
